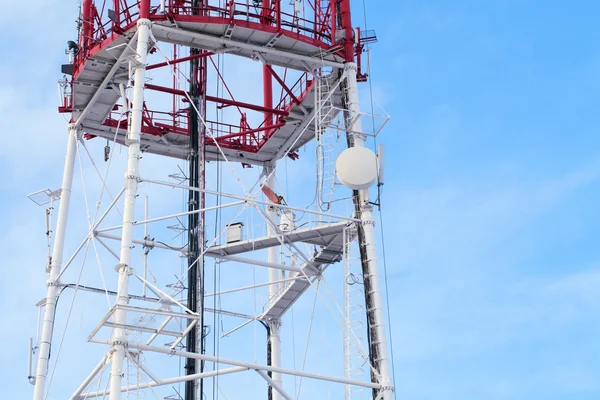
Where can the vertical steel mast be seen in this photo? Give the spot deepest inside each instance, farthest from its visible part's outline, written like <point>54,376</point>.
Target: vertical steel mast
<point>378,346</point>
<point>378,343</point>
<point>274,331</point>
<point>196,201</point>
<point>119,341</point>
<point>53,282</point>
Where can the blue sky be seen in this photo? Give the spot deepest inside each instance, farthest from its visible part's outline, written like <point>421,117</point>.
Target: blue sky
<point>490,202</point>
<point>496,182</point>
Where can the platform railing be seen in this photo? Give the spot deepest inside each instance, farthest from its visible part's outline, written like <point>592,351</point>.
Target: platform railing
<point>240,136</point>
<point>113,17</point>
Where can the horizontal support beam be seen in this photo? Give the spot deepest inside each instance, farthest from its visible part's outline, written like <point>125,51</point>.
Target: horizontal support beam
<point>163,382</point>
<point>164,32</point>
<point>108,292</point>
<point>171,150</point>
<point>147,243</point>
<point>243,260</point>
<point>250,200</point>
<point>249,365</point>
<point>254,262</point>
<point>189,315</point>
<point>230,313</point>
<point>183,214</point>
<point>236,203</point>
<point>221,100</point>
<point>240,289</point>
<point>167,313</point>
<point>143,329</point>
<point>179,60</point>
<point>250,131</point>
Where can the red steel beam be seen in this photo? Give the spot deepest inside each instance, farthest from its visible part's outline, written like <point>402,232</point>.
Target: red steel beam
<point>268,94</point>
<point>267,78</point>
<point>145,9</point>
<point>214,99</point>
<point>88,22</point>
<point>250,131</point>
<point>346,17</point>
<point>117,8</point>
<point>282,83</point>
<point>333,8</point>
<point>179,60</point>
<point>166,90</point>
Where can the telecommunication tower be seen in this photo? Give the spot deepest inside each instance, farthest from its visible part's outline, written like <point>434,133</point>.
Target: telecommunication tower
<point>149,77</point>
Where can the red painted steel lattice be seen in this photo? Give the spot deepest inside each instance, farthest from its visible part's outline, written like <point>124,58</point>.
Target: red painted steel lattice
<point>325,26</point>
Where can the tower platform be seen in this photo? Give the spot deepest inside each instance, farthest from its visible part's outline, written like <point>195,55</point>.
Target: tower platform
<point>101,70</point>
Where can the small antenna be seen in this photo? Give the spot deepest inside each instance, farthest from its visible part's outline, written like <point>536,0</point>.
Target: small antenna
<point>42,198</point>
<point>107,151</point>
<point>30,376</point>
<point>380,161</point>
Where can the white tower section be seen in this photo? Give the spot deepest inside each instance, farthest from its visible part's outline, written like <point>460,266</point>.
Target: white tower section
<point>371,272</point>
<point>55,267</point>
<point>132,178</point>
<point>274,288</point>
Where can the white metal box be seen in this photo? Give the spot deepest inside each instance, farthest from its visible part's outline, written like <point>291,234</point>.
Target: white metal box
<point>235,232</point>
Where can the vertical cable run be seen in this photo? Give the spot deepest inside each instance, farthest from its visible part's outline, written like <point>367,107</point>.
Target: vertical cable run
<point>196,201</point>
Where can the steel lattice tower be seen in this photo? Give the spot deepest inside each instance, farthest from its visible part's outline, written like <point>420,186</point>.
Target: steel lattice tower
<point>109,96</point>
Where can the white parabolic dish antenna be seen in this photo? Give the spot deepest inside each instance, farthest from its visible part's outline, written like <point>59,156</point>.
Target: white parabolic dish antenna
<point>357,168</point>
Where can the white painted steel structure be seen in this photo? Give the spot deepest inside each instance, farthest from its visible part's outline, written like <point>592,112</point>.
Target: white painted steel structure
<point>55,267</point>
<point>286,282</point>
<point>378,326</point>
<point>132,176</point>
<point>274,289</point>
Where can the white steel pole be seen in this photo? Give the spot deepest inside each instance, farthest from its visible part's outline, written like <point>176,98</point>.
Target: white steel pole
<point>147,250</point>
<point>119,338</point>
<point>274,289</point>
<point>378,323</point>
<point>53,282</point>
<point>249,365</point>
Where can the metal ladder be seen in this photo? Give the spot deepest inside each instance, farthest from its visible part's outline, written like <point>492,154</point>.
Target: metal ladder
<point>326,141</point>
<point>133,375</point>
<point>354,360</point>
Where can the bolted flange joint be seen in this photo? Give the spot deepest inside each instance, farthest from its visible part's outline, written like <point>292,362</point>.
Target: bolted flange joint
<point>120,342</point>
<point>121,266</point>
<point>129,141</point>
<point>54,282</point>
<point>350,67</point>
<point>132,177</point>
<point>368,222</point>
<point>275,323</point>
<point>144,22</point>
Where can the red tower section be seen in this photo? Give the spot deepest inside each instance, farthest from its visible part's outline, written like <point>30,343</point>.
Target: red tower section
<point>292,44</point>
